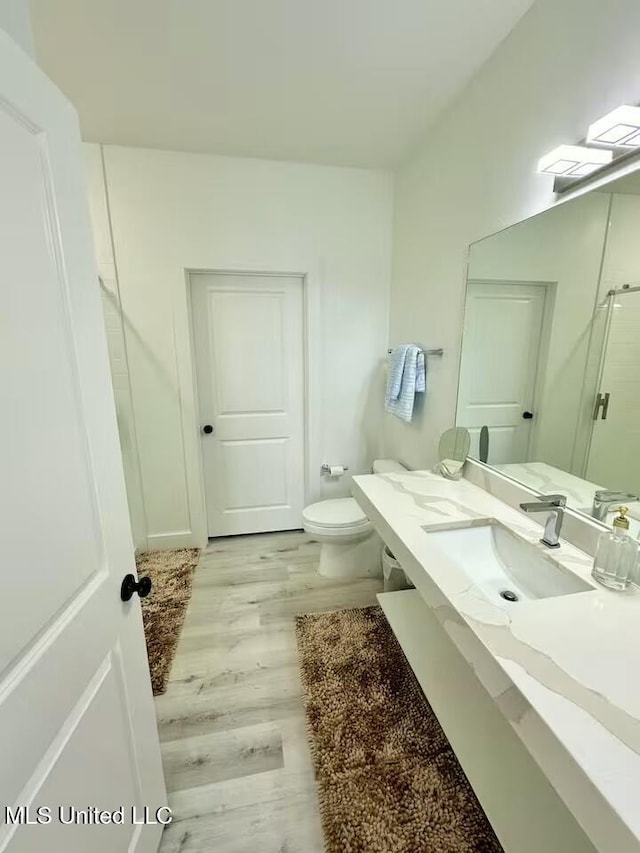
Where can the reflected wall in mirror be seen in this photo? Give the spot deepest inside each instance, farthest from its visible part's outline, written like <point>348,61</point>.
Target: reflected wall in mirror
<point>550,362</point>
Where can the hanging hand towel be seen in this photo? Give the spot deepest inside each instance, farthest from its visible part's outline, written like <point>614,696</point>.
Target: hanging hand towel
<point>396,369</point>
<point>406,378</point>
<point>421,372</point>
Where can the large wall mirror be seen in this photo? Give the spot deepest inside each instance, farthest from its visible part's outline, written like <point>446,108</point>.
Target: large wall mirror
<point>550,366</point>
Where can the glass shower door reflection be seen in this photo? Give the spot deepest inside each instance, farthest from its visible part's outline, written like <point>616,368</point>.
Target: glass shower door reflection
<point>614,452</point>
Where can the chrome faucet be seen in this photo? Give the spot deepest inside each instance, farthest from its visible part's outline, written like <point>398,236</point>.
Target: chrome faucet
<point>604,499</point>
<point>553,524</point>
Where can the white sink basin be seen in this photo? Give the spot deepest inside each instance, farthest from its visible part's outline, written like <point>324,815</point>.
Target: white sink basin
<point>498,562</point>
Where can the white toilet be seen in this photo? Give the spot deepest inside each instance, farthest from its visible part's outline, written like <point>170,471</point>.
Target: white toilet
<point>350,547</point>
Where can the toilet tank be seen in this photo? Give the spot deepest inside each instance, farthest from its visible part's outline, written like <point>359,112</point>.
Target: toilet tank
<point>387,466</point>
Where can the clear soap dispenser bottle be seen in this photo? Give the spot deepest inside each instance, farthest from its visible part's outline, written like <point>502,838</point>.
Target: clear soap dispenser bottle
<point>616,554</point>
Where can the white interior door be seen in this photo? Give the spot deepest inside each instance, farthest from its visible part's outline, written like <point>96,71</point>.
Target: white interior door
<point>249,363</point>
<point>613,454</point>
<point>77,724</point>
<point>500,353</point>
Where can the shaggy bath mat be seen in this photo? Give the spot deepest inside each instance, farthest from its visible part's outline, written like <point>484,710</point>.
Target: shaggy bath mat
<point>163,611</point>
<point>388,779</point>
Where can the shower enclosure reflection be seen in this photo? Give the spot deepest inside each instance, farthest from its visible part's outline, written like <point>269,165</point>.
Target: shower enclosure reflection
<point>614,452</point>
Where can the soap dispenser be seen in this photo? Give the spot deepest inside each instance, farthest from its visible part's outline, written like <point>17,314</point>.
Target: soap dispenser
<point>616,554</point>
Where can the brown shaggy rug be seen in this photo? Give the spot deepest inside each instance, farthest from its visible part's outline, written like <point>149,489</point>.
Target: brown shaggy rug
<point>388,779</point>
<point>164,609</point>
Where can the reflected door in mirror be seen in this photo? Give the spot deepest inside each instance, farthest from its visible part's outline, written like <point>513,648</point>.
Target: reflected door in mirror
<point>499,367</point>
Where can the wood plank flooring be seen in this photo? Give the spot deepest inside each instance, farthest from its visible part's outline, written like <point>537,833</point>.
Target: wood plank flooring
<point>232,725</point>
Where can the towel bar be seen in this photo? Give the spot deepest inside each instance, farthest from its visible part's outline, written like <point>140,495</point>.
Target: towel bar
<point>437,351</point>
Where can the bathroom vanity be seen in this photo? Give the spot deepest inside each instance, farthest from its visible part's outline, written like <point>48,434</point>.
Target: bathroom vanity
<point>537,690</point>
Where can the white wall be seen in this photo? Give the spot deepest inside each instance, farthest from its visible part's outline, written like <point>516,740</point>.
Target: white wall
<point>564,65</point>
<point>622,258</point>
<point>171,212</point>
<point>16,22</point>
<point>562,248</point>
<point>116,341</point>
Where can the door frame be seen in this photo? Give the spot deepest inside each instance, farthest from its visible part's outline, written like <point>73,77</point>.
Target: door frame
<point>310,415</point>
<point>549,288</point>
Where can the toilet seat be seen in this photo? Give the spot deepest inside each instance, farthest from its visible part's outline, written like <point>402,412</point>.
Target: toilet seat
<point>338,517</point>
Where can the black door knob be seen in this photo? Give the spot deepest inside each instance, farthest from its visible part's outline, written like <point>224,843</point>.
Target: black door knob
<point>207,429</point>
<point>131,585</point>
<point>527,415</point>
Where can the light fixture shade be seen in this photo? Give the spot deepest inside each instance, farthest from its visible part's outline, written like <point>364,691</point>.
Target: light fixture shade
<point>574,161</point>
<point>618,128</point>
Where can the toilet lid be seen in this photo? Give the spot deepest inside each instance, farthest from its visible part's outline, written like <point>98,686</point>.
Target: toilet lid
<point>341,512</point>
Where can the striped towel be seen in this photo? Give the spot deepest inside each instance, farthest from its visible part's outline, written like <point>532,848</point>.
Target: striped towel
<point>407,376</point>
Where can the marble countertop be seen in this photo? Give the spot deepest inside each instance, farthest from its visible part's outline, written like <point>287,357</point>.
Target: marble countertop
<point>549,480</point>
<point>565,671</point>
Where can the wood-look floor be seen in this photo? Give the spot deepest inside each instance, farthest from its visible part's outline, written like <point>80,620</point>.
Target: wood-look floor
<point>232,725</point>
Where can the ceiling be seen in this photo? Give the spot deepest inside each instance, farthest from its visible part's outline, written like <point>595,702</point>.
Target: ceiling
<point>348,82</point>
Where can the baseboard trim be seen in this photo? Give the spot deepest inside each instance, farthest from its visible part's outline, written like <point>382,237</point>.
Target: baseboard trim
<point>173,540</point>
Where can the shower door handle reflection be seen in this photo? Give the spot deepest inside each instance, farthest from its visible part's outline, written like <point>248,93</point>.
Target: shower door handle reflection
<point>602,404</point>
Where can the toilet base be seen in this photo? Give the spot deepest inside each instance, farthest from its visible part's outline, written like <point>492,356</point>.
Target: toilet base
<point>357,559</point>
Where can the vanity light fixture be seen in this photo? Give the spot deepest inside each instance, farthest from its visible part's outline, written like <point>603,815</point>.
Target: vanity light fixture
<point>574,161</point>
<point>619,128</point>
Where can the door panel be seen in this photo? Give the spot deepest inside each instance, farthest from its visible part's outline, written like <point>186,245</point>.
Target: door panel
<point>75,770</point>
<point>241,325</point>
<point>43,409</point>
<point>241,460</point>
<point>501,348</point>
<point>249,364</point>
<point>76,712</point>
<point>501,443</point>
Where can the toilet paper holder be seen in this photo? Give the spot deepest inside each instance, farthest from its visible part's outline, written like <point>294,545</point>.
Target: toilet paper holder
<point>325,468</point>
